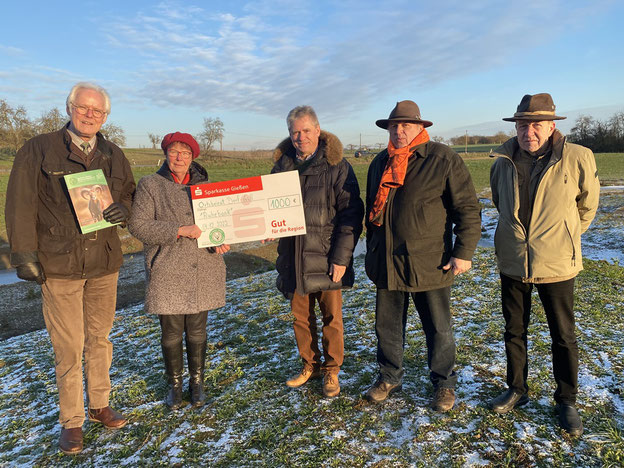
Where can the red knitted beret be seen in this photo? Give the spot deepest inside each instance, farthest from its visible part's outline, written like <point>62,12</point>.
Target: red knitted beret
<point>182,138</point>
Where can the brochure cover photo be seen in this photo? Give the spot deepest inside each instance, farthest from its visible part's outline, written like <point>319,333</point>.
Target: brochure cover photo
<point>90,196</point>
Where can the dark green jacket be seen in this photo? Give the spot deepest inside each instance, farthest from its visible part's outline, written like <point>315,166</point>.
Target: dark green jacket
<point>40,220</point>
<point>407,252</point>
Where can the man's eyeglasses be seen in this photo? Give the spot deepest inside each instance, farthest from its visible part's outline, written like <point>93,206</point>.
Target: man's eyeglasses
<point>83,110</point>
<point>182,154</point>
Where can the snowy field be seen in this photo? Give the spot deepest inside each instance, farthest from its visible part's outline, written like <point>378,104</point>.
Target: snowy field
<point>252,419</point>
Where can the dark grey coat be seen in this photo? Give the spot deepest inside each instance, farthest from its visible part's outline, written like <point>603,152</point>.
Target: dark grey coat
<point>181,278</point>
<point>333,214</point>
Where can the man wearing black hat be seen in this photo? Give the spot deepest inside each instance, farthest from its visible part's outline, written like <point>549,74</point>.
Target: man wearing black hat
<point>546,192</point>
<point>418,194</point>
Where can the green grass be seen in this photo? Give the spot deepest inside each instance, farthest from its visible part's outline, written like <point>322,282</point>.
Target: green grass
<point>252,419</point>
<point>610,168</point>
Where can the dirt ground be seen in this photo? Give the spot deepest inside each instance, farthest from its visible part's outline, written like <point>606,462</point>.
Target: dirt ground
<point>20,303</point>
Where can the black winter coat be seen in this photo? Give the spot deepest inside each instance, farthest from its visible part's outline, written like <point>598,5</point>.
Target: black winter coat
<point>407,252</point>
<point>333,213</point>
<point>40,220</point>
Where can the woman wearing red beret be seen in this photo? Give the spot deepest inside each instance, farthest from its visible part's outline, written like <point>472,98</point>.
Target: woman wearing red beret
<point>184,282</point>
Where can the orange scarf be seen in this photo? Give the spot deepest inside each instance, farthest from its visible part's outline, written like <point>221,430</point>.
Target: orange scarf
<point>394,174</point>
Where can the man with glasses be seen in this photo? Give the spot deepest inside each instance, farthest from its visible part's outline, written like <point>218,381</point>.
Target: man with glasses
<point>77,272</point>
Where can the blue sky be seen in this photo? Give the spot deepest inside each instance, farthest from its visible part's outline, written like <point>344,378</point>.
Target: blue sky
<point>167,65</point>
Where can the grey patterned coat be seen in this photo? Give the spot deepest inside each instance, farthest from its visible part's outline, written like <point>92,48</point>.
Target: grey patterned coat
<point>181,278</point>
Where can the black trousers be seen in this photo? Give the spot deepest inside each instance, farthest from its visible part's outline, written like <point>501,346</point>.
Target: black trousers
<point>173,326</point>
<point>558,301</point>
<point>434,310</point>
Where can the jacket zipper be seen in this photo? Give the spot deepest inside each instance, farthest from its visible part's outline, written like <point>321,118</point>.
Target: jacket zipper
<point>549,166</point>
<point>572,242</point>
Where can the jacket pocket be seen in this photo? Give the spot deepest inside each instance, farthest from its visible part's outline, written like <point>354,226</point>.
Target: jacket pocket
<point>58,250</point>
<point>113,253</point>
<point>422,266</point>
<point>56,239</point>
<point>55,189</point>
<point>373,259</point>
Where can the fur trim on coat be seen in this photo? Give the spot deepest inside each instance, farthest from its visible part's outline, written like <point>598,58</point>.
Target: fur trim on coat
<point>331,145</point>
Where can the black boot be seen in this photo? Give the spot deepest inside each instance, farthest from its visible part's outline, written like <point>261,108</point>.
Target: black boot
<point>173,368</point>
<point>196,356</point>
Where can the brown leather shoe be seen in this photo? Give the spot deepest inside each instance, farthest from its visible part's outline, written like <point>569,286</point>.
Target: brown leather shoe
<point>331,385</point>
<point>381,390</point>
<point>306,374</point>
<point>109,417</point>
<point>443,399</point>
<point>70,441</point>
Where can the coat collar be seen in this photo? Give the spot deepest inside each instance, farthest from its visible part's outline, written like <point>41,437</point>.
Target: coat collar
<point>508,148</point>
<point>420,151</point>
<point>329,146</point>
<point>102,145</point>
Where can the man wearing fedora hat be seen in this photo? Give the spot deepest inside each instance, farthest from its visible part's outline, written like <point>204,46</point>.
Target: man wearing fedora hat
<point>418,194</point>
<point>546,192</point>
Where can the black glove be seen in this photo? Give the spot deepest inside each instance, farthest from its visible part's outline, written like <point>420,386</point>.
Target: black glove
<point>31,272</point>
<point>116,213</point>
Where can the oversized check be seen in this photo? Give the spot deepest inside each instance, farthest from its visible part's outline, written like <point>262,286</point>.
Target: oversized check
<point>244,210</point>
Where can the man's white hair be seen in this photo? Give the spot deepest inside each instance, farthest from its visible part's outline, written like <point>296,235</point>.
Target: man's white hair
<point>87,85</point>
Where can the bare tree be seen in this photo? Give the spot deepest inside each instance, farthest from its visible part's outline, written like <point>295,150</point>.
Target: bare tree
<point>583,128</point>
<point>114,133</point>
<point>154,139</point>
<point>15,127</point>
<point>213,131</point>
<point>601,137</point>
<point>51,121</point>
<point>438,139</point>
<point>616,124</point>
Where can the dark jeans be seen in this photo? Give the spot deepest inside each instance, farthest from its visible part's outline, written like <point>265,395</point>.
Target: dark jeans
<point>558,301</point>
<point>173,326</point>
<point>435,315</point>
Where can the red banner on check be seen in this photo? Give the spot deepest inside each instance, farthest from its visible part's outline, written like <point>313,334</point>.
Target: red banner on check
<point>228,187</point>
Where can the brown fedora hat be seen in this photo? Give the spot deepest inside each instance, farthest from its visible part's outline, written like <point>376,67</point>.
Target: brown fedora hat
<point>535,107</point>
<point>404,111</point>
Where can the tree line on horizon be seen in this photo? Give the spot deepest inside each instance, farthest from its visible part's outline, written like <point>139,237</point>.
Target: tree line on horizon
<point>599,136</point>
<point>16,127</point>
<point>497,139</point>
<point>212,132</point>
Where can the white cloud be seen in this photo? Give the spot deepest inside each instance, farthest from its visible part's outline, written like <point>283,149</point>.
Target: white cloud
<point>270,56</point>
<point>11,51</point>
